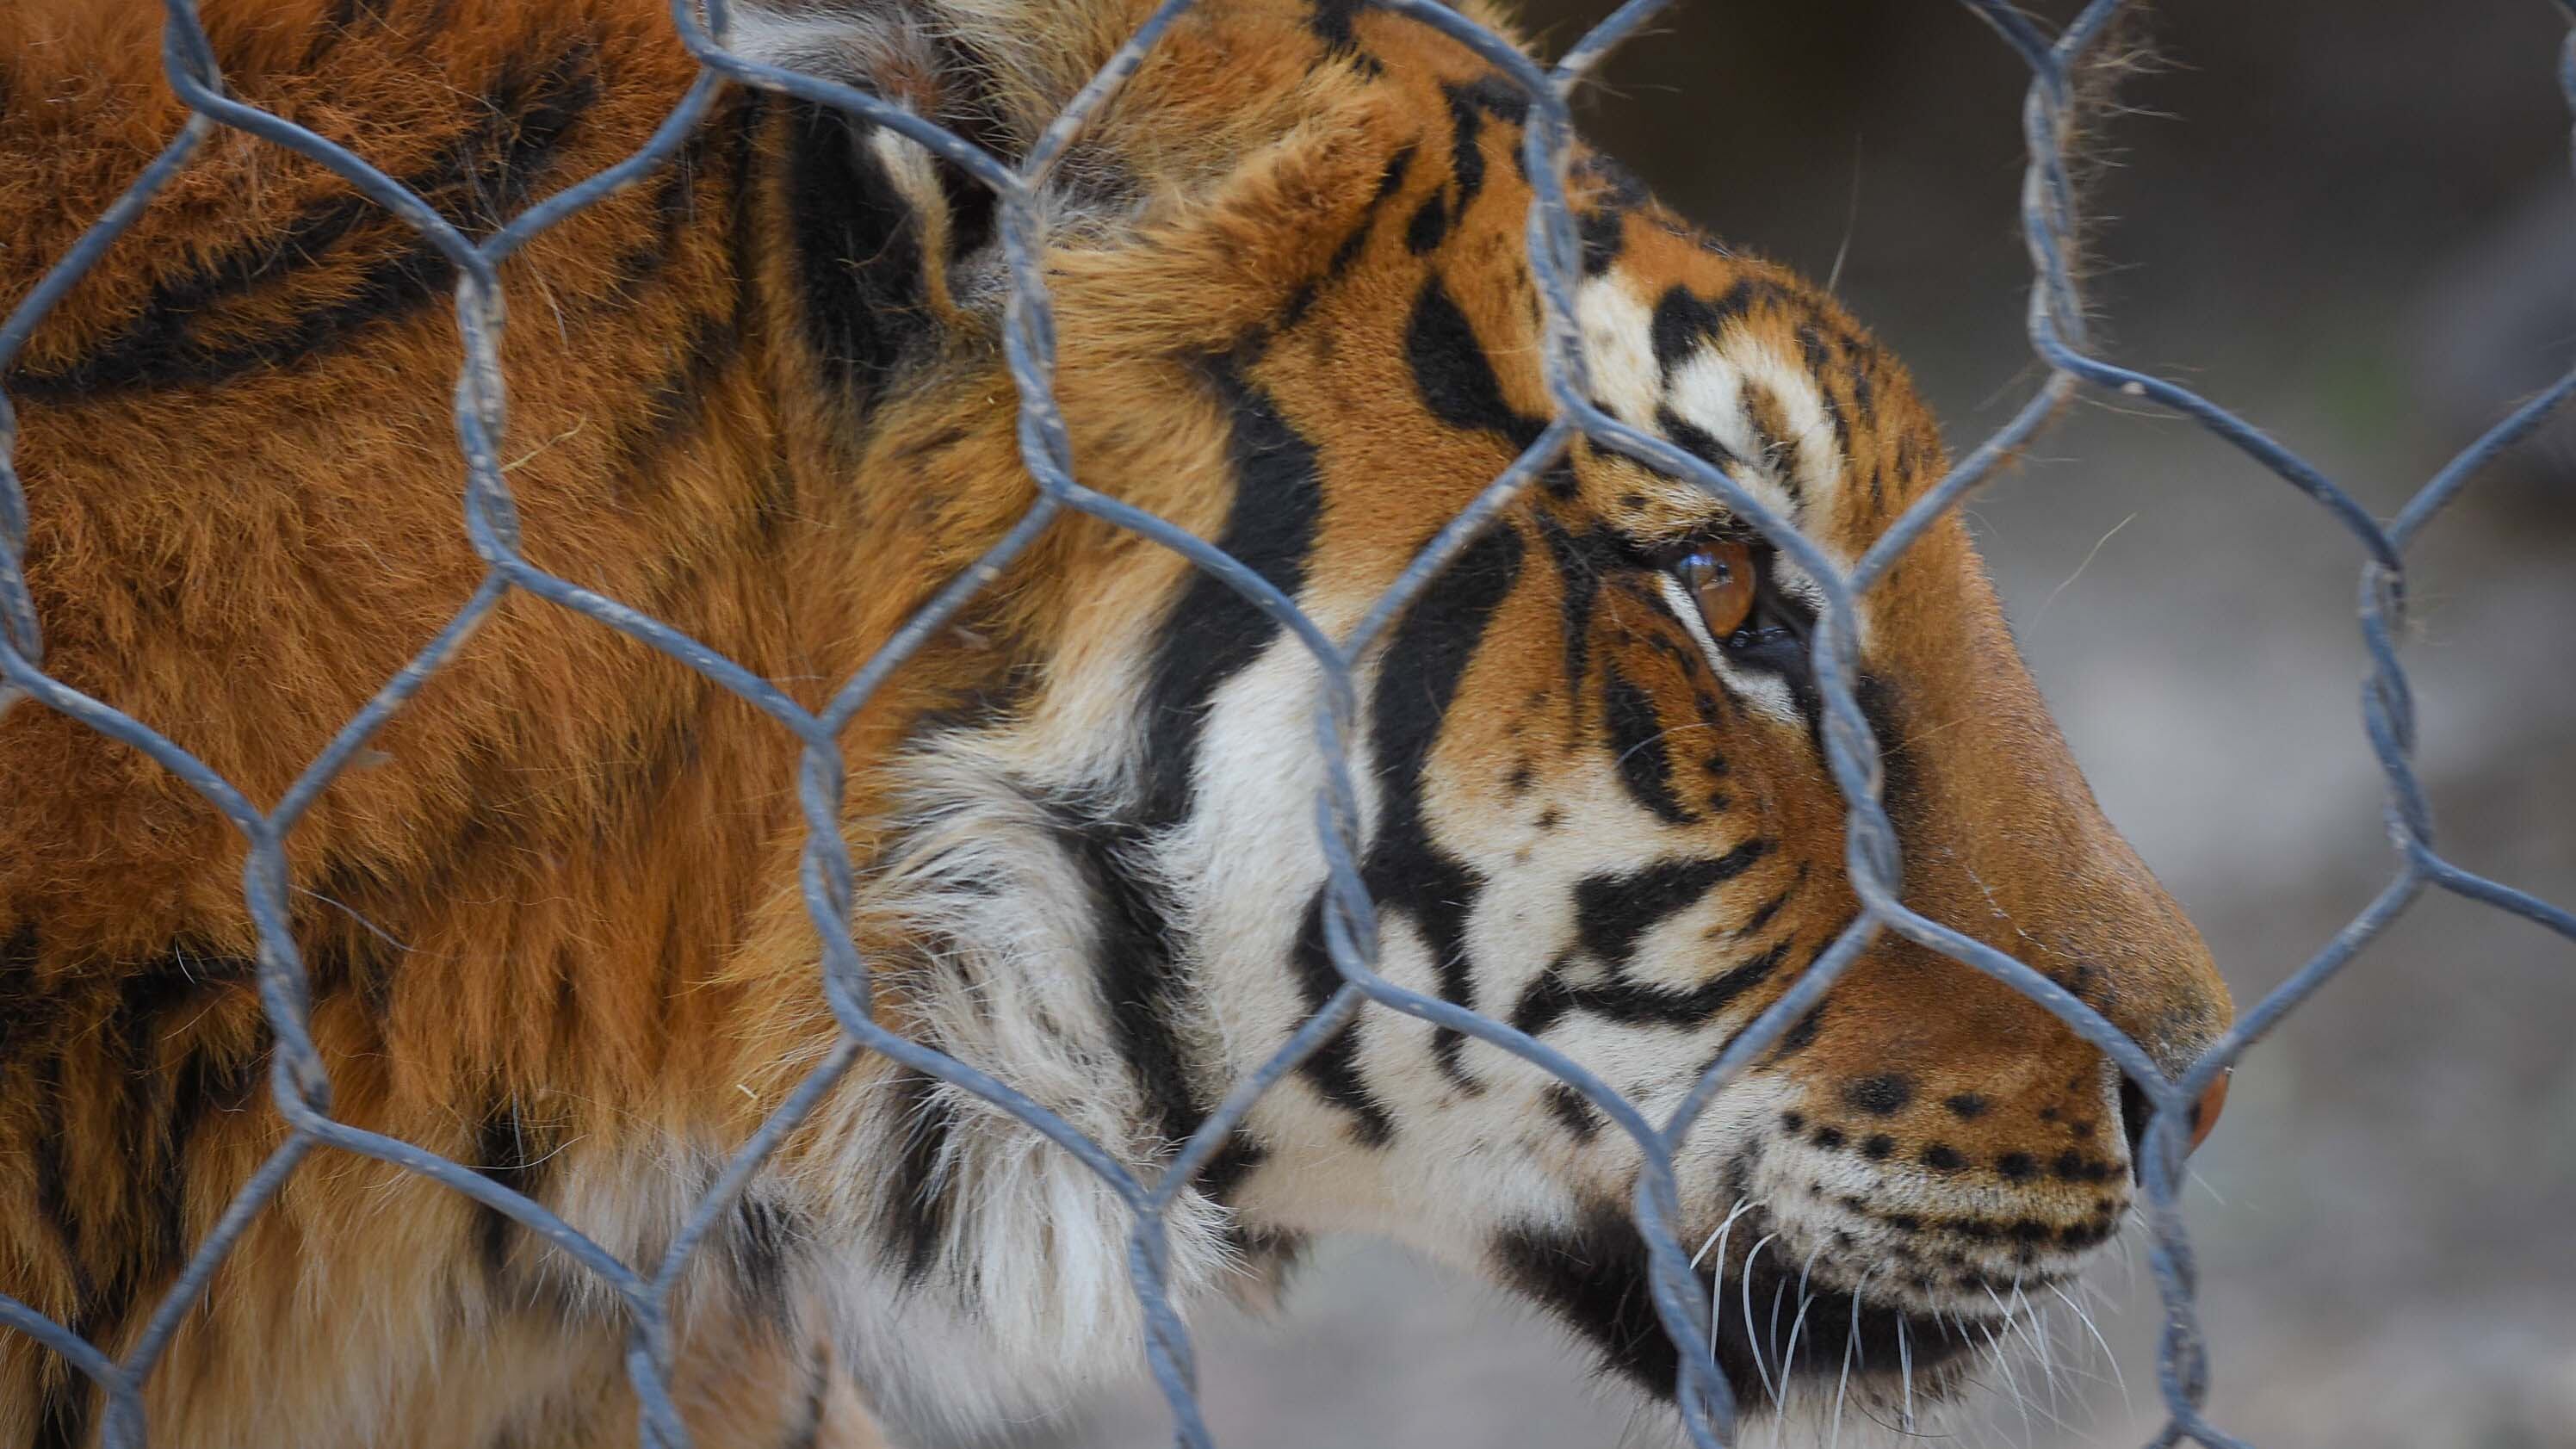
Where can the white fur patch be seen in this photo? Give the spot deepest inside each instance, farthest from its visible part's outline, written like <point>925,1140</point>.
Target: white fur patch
<point>1026,1294</point>
<point>1619,348</point>
<point>1706,390</point>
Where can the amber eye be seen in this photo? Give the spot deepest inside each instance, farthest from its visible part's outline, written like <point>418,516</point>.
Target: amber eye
<point>1720,576</point>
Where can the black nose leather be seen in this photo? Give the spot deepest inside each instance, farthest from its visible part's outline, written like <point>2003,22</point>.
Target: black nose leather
<point>2135,1110</point>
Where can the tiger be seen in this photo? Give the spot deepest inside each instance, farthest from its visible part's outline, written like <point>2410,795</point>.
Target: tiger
<point>549,917</point>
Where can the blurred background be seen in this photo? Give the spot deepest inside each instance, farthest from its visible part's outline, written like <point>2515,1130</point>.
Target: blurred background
<point>2351,221</point>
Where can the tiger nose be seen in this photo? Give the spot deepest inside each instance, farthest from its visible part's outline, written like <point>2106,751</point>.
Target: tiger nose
<point>2135,1111</point>
<point>2204,1113</point>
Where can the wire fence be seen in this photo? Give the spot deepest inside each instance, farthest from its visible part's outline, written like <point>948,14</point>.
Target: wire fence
<point>303,1090</point>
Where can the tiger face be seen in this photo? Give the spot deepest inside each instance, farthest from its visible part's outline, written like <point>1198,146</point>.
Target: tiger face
<point>550,924</point>
<point>1595,800</point>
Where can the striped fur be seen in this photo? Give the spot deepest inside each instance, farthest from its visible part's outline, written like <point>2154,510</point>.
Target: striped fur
<point>551,919</point>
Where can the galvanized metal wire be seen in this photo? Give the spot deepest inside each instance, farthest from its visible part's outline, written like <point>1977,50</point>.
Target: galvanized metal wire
<point>302,1087</point>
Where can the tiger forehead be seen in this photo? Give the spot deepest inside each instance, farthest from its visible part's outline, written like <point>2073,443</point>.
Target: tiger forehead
<point>1741,366</point>
<point>1728,358</point>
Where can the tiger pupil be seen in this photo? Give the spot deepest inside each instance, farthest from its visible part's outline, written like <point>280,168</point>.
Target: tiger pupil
<point>1720,576</point>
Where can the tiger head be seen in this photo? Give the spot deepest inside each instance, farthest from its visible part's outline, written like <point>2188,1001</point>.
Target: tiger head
<point>1297,318</point>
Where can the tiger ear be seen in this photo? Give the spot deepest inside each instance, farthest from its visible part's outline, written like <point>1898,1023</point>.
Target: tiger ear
<point>996,70</point>
<point>881,237</point>
<point>890,241</point>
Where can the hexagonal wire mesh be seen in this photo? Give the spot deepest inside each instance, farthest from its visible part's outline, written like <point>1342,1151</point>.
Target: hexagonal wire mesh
<point>302,1087</point>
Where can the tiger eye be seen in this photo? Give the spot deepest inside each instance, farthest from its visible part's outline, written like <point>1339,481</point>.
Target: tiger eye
<point>1720,577</point>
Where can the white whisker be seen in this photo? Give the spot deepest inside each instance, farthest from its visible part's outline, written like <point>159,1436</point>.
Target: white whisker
<point>1752,1335</point>
<point>2038,1342</point>
<point>1717,1294</point>
<point>2108,1357</point>
<point>2004,1374</point>
<point>1719,1238</point>
<point>1842,1386</point>
<point>1799,1322</point>
<point>1905,1375</point>
<point>2022,1401</point>
<point>1771,1337</point>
